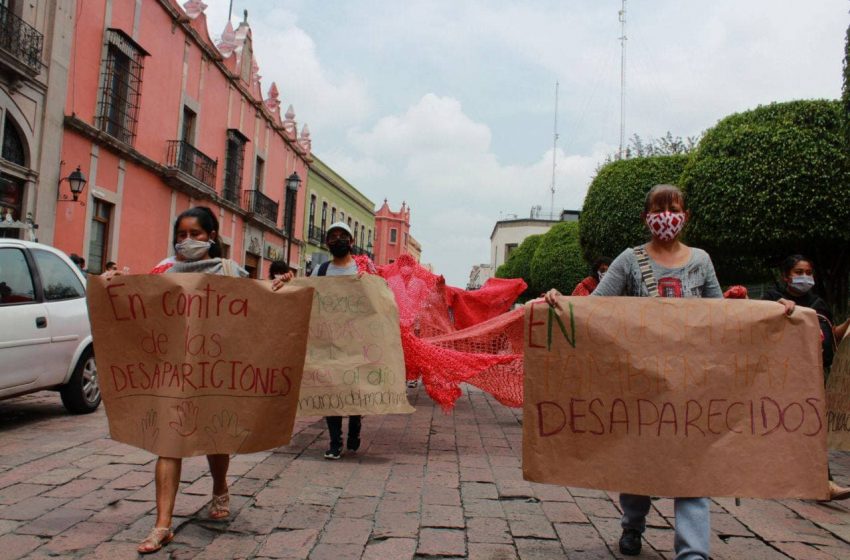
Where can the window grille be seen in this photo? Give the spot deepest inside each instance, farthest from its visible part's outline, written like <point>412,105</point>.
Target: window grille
<point>233,165</point>
<point>121,84</point>
<point>13,145</point>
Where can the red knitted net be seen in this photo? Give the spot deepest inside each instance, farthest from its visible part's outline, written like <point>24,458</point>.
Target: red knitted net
<point>451,336</point>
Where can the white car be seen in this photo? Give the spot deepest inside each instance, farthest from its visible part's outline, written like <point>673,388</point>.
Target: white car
<point>45,337</point>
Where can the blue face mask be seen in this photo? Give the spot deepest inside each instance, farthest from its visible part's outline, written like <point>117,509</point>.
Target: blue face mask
<point>802,284</point>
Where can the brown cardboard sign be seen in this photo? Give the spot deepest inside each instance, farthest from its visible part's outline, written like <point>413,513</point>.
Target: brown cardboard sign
<point>355,362</point>
<point>674,397</point>
<point>194,364</point>
<point>838,399</point>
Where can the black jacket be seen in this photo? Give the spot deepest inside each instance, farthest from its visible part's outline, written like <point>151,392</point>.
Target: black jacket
<point>811,301</point>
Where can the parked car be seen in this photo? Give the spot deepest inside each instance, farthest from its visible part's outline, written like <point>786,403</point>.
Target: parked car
<point>45,337</point>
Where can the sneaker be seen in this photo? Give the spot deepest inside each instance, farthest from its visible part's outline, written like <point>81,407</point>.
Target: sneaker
<point>333,454</point>
<point>630,542</point>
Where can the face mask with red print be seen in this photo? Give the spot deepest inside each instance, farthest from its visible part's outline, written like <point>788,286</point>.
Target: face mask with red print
<point>665,225</point>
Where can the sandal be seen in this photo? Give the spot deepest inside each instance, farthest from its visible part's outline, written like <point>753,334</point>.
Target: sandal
<point>156,539</point>
<point>220,506</point>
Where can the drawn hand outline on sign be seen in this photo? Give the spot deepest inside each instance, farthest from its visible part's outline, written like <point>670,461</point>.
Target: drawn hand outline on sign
<point>150,430</point>
<point>225,432</point>
<point>187,419</point>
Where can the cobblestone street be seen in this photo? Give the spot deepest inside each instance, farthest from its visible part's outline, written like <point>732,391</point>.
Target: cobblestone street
<point>428,485</point>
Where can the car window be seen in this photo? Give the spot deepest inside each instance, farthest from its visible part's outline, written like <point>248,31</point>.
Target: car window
<point>15,280</point>
<point>57,278</point>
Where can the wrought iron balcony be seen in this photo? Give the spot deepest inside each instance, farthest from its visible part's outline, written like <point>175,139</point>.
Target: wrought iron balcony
<point>190,160</point>
<point>20,40</point>
<point>260,205</point>
<point>316,235</point>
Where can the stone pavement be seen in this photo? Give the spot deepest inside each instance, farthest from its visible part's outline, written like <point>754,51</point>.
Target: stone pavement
<point>427,485</point>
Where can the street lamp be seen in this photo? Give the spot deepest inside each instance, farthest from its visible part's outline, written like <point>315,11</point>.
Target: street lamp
<point>292,184</point>
<point>77,182</point>
<point>369,247</point>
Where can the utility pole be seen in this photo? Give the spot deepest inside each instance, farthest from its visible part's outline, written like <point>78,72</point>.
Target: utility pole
<point>554,155</point>
<point>622,77</point>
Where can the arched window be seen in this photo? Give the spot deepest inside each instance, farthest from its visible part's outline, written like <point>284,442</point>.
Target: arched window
<point>13,144</point>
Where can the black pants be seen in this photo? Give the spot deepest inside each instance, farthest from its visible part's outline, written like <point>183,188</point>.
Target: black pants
<point>335,430</point>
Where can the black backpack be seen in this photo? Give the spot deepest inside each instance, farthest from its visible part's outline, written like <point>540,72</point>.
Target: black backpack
<point>323,268</point>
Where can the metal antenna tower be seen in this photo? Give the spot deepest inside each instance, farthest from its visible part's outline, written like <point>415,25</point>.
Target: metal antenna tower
<point>554,155</point>
<point>622,77</point>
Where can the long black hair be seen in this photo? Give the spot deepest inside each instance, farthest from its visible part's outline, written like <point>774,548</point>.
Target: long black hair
<point>207,221</point>
<point>789,262</point>
<point>594,268</point>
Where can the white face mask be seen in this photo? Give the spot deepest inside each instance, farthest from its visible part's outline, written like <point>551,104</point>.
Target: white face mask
<point>601,275</point>
<point>192,249</point>
<point>802,284</point>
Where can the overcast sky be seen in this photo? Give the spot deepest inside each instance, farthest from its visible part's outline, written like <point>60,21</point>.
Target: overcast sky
<point>449,104</point>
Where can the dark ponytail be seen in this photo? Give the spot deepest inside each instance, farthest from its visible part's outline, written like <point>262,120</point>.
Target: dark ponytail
<point>208,223</point>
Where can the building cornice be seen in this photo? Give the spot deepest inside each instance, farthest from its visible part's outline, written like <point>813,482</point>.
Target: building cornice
<point>331,182</point>
<point>180,19</point>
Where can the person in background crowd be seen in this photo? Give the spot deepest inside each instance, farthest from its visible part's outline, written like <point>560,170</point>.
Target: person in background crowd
<point>736,292</point>
<point>79,261</point>
<point>196,250</point>
<point>664,267</point>
<point>796,287</point>
<point>597,272</point>
<point>339,240</point>
<point>279,270</point>
<point>111,267</point>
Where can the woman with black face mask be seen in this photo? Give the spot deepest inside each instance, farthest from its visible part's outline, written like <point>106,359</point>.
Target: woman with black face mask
<point>796,287</point>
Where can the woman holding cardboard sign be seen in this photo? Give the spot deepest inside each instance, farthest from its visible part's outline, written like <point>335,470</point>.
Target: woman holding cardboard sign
<point>196,250</point>
<point>796,287</point>
<point>664,267</point>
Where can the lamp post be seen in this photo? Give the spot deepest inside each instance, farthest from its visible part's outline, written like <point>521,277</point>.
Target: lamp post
<point>369,248</point>
<point>77,182</point>
<point>292,184</point>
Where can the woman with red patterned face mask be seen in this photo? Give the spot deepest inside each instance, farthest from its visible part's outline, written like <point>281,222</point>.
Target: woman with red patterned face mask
<point>664,267</point>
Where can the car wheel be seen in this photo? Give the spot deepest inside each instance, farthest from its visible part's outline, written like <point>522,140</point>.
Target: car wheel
<point>82,393</point>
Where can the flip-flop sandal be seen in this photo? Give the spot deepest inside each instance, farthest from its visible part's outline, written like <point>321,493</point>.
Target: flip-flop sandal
<point>156,539</point>
<point>220,506</point>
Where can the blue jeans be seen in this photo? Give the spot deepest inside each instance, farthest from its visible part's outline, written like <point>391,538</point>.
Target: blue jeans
<point>693,524</point>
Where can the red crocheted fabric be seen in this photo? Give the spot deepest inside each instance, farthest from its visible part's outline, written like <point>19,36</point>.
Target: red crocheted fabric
<point>586,286</point>
<point>451,336</point>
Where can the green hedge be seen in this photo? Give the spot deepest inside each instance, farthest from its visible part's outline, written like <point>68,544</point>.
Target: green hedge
<point>558,261</point>
<point>518,264</point>
<point>769,182</point>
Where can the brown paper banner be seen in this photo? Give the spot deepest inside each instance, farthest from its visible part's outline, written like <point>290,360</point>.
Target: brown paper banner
<point>194,364</point>
<point>838,399</point>
<point>675,397</point>
<point>355,363</point>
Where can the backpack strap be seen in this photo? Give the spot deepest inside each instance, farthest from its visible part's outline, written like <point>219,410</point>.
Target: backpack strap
<point>323,268</point>
<point>646,271</point>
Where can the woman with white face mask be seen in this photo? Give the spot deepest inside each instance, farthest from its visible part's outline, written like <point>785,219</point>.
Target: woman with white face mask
<point>196,249</point>
<point>597,273</point>
<point>796,287</point>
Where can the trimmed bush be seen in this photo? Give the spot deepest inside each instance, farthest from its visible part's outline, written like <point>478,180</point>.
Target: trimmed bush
<point>518,264</point>
<point>558,261</point>
<point>773,181</point>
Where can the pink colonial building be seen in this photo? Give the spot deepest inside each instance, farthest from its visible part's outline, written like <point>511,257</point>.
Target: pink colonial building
<point>159,118</point>
<point>392,235</point>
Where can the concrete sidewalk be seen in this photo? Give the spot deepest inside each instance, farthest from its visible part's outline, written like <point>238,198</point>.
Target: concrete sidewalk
<point>427,485</point>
